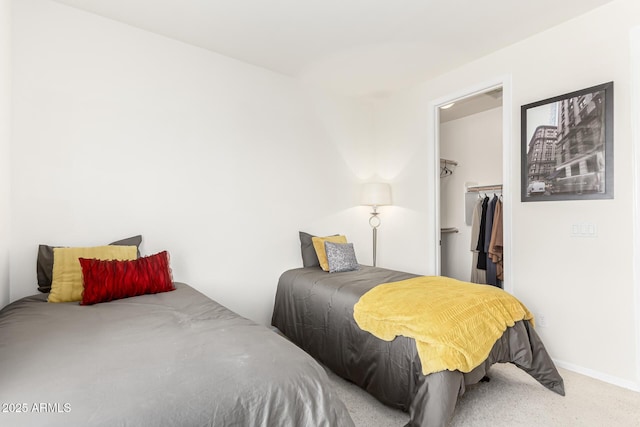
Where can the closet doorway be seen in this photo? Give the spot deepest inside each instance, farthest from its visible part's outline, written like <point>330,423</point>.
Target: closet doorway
<point>472,163</point>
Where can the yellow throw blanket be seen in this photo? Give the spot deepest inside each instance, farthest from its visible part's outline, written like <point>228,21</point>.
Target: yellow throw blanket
<point>455,324</point>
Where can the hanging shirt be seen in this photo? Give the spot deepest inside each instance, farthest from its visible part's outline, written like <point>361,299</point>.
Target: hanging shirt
<point>496,245</point>
<point>482,255</point>
<point>492,273</point>
<point>477,275</point>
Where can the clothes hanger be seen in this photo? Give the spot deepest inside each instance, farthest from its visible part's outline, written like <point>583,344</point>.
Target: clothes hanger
<point>445,171</point>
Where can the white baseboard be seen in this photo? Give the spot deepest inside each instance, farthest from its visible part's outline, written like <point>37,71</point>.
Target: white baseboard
<point>631,385</point>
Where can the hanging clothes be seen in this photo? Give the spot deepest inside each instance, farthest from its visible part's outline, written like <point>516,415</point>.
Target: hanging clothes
<point>487,245</point>
<point>496,245</point>
<point>482,255</point>
<point>477,275</point>
<point>492,273</point>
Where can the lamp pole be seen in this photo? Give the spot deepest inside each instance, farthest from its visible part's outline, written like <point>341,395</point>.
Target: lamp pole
<point>375,194</point>
<point>374,222</point>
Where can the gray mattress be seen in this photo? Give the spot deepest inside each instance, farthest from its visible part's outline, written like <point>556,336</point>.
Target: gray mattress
<point>315,310</point>
<point>170,359</point>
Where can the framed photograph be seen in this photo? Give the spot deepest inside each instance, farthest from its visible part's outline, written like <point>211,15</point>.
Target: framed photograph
<point>567,146</point>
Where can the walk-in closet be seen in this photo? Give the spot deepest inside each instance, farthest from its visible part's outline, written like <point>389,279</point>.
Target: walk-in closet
<point>471,156</point>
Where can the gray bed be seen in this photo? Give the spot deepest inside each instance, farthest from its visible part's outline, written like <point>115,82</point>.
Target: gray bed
<point>168,359</point>
<point>314,309</point>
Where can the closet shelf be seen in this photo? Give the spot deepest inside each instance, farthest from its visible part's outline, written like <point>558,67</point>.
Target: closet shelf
<point>479,188</point>
<point>446,167</point>
<point>446,230</point>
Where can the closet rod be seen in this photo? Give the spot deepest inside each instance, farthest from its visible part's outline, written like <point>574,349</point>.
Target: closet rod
<point>479,188</point>
<point>449,162</point>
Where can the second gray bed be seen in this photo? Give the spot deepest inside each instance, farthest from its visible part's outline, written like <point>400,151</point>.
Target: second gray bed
<point>170,359</point>
<point>314,309</point>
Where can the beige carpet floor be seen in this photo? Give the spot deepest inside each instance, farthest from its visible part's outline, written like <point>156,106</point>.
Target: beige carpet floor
<point>513,399</point>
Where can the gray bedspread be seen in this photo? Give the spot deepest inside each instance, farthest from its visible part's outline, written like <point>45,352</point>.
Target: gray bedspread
<point>170,359</point>
<point>315,310</point>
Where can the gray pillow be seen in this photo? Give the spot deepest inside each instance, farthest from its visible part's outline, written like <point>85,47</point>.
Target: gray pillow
<point>309,256</point>
<point>44,264</point>
<point>341,257</point>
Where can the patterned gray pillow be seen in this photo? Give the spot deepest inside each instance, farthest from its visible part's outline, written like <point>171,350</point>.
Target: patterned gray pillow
<point>341,257</point>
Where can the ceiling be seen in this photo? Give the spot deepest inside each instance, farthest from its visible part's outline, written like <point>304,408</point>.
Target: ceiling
<point>472,105</point>
<point>355,47</point>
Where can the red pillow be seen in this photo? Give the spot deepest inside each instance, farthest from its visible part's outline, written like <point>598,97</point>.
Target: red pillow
<point>109,280</point>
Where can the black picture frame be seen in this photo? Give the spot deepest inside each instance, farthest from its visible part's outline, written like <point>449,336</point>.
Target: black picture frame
<point>567,146</point>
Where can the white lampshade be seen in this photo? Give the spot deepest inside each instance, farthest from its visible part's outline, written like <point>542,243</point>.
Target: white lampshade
<point>375,194</point>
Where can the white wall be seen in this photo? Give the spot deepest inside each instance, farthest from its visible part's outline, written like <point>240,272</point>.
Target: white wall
<point>475,142</point>
<point>583,287</point>
<point>119,131</point>
<point>5,136</point>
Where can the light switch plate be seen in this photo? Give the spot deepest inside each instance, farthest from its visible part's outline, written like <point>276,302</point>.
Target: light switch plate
<point>584,229</point>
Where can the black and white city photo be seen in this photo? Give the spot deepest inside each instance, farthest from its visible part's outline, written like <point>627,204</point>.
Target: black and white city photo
<point>567,146</point>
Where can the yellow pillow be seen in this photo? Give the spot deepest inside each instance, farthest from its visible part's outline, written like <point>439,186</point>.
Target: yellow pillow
<point>67,284</point>
<point>318,245</point>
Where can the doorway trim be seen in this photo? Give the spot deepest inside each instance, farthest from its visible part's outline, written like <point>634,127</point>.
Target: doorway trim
<point>634,37</point>
<point>505,83</point>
